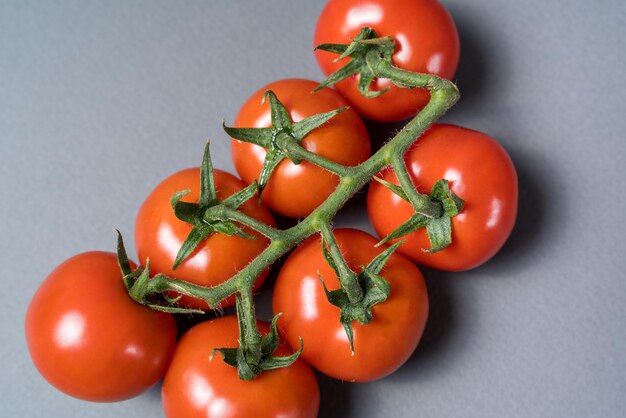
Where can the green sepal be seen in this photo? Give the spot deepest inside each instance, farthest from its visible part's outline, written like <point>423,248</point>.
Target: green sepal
<point>279,114</point>
<point>337,297</point>
<point>208,194</point>
<point>230,229</point>
<point>332,48</point>
<point>375,290</point>
<point>329,258</point>
<point>356,44</point>
<point>257,136</point>
<point>204,216</point>
<point>273,157</point>
<point>439,232</point>
<point>365,81</point>
<point>198,234</point>
<point>172,309</point>
<point>144,290</point>
<point>185,211</point>
<point>250,362</point>
<point>242,196</point>
<point>376,265</point>
<point>282,134</point>
<point>438,229</point>
<point>415,222</point>
<point>450,202</point>
<point>269,343</point>
<point>122,261</point>
<point>276,362</point>
<point>305,126</point>
<point>365,43</point>
<point>393,187</point>
<point>351,68</point>
<point>229,355</point>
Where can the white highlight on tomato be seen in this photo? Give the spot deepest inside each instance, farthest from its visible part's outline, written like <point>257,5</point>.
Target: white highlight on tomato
<point>308,297</point>
<point>69,331</point>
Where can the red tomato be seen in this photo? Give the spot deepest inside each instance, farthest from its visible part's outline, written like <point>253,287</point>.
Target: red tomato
<point>159,235</point>
<point>381,346</point>
<point>89,339</point>
<point>195,386</point>
<point>479,171</point>
<point>426,42</point>
<point>296,190</point>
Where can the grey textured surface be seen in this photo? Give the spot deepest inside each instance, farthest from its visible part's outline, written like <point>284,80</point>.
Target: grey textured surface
<point>101,100</point>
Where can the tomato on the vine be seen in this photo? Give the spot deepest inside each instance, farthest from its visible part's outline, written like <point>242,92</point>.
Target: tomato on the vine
<point>159,235</point>
<point>89,339</point>
<point>197,386</point>
<point>479,171</point>
<point>426,42</point>
<point>297,189</point>
<point>381,346</point>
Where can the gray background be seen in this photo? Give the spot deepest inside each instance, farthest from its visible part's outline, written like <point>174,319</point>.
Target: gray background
<point>99,101</point>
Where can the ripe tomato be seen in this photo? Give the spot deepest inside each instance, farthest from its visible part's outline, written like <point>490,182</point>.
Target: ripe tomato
<point>89,339</point>
<point>381,346</point>
<point>426,42</point>
<point>159,235</point>
<point>479,171</point>
<point>195,386</point>
<point>295,190</point>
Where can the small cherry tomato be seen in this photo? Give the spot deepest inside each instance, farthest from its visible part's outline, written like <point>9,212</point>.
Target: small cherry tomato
<point>479,171</point>
<point>426,42</point>
<point>159,235</point>
<point>197,386</point>
<point>89,339</point>
<point>381,346</point>
<point>296,190</point>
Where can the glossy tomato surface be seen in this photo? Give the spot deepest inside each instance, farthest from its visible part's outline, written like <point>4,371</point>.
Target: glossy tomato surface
<point>381,346</point>
<point>426,42</point>
<point>479,171</point>
<point>89,339</point>
<point>198,387</point>
<point>295,190</point>
<point>159,235</point>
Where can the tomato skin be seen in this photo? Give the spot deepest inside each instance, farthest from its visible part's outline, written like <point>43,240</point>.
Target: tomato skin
<point>159,235</point>
<point>479,171</point>
<point>89,339</point>
<point>195,387</point>
<point>381,346</point>
<point>426,42</point>
<point>296,190</point>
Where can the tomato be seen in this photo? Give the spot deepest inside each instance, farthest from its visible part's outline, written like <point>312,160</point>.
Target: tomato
<point>479,171</point>
<point>426,42</point>
<point>381,346</point>
<point>195,386</point>
<point>89,339</point>
<point>296,190</point>
<point>159,235</point>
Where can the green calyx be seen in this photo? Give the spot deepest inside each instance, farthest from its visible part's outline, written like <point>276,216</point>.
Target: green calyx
<point>208,215</point>
<point>438,228</point>
<point>365,44</point>
<point>280,137</point>
<point>251,359</point>
<point>375,290</point>
<point>150,292</point>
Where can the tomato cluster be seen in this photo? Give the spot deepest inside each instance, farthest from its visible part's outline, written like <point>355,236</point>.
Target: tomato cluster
<point>93,340</point>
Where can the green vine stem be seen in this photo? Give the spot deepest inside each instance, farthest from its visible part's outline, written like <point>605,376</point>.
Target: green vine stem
<point>444,94</point>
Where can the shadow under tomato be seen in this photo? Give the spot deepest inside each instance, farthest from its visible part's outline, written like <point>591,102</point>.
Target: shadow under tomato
<point>473,75</point>
<point>334,397</point>
<point>534,223</point>
<point>442,321</point>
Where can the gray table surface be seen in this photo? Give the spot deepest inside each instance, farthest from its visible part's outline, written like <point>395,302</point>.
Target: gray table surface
<point>99,101</point>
